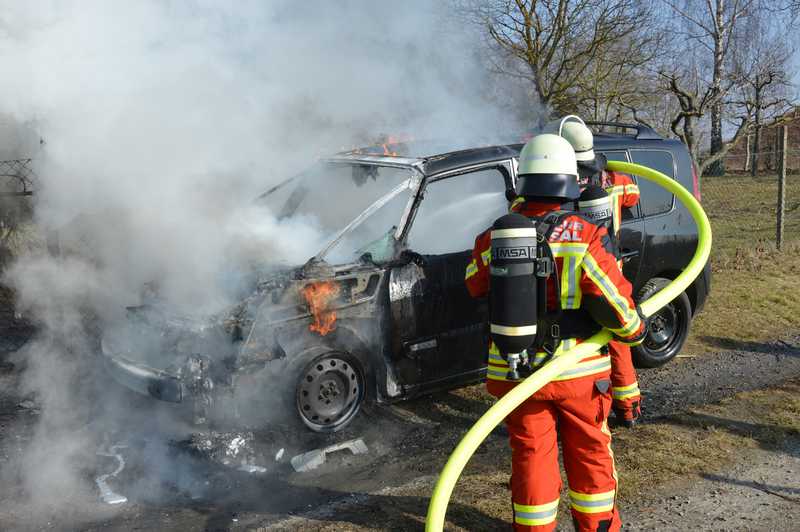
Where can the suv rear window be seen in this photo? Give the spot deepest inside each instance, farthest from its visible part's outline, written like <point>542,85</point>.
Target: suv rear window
<point>653,198</point>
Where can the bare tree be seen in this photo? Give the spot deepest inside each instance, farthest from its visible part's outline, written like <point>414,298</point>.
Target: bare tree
<point>760,68</point>
<point>708,27</point>
<point>557,45</point>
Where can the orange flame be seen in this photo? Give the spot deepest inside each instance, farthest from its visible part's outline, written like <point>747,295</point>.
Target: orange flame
<point>318,296</point>
<point>387,152</point>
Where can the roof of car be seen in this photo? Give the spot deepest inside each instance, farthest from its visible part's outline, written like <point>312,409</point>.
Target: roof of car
<point>434,157</point>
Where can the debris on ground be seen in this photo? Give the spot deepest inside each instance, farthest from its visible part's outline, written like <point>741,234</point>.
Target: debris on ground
<point>27,404</point>
<point>231,449</point>
<point>106,493</point>
<point>313,459</point>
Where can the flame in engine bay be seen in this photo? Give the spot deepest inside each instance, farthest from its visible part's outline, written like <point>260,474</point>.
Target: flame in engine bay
<point>318,296</point>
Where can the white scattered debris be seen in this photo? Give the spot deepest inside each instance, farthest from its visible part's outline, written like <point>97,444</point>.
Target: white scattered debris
<point>313,459</point>
<point>279,455</point>
<point>250,468</point>
<point>107,494</point>
<point>226,448</point>
<point>27,404</point>
<point>236,445</point>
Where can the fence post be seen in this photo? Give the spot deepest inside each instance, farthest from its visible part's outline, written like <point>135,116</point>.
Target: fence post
<point>781,145</point>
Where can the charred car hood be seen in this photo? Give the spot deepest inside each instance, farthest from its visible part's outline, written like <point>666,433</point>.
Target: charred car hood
<point>155,345</point>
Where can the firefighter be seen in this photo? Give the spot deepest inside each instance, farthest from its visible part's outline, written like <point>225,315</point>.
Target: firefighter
<point>624,193</point>
<point>593,293</point>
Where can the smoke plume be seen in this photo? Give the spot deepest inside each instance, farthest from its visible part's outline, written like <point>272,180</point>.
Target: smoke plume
<point>161,121</point>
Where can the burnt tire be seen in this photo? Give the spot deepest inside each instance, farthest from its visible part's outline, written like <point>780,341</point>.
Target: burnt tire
<point>330,390</point>
<point>667,329</point>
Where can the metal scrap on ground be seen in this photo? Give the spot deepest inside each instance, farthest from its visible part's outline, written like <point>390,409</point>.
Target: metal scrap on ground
<point>106,493</point>
<point>313,459</point>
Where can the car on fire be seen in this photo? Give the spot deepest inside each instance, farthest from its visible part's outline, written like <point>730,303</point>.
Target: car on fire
<point>381,313</point>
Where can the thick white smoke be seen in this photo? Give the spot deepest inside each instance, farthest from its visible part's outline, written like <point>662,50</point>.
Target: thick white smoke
<point>162,119</point>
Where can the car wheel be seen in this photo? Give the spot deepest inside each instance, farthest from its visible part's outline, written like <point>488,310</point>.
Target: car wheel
<point>330,390</point>
<point>667,330</point>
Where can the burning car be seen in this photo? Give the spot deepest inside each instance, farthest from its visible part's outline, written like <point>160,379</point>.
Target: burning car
<point>380,313</point>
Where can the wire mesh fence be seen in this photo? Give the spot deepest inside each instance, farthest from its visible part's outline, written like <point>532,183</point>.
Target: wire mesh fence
<point>743,208</point>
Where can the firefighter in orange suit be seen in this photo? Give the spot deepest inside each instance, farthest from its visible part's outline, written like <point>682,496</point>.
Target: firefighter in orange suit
<point>624,193</point>
<point>593,291</point>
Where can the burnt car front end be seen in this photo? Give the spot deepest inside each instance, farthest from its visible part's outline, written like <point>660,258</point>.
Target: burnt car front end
<point>242,364</point>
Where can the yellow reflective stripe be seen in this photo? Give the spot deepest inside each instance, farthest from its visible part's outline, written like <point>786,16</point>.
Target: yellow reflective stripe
<point>616,214</point>
<point>629,387</point>
<point>571,254</point>
<point>628,329</point>
<point>604,430</point>
<point>610,291</point>
<point>571,278</point>
<point>496,374</point>
<point>496,358</point>
<point>537,515</point>
<point>583,369</point>
<point>594,507</point>
<point>621,396</point>
<point>578,496</point>
<point>561,249</point>
<point>486,256</point>
<point>497,367</point>
<point>566,281</point>
<point>518,201</point>
<point>614,190</point>
<point>472,269</point>
<point>536,507</point>
<point>631,189</point>
<point>592,503</point>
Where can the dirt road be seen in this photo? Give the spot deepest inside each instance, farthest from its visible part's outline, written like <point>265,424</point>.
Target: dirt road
<point>408,445</point>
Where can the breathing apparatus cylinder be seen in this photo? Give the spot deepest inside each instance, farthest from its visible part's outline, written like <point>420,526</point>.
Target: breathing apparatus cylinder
<point>512,289</point>
<point>594,203</point>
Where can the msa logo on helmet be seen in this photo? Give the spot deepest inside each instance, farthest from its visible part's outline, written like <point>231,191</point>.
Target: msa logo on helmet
<point>519,252</point>
<point>597,214</point>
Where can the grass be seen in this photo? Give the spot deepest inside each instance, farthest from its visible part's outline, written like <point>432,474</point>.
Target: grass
<point>753,294</point>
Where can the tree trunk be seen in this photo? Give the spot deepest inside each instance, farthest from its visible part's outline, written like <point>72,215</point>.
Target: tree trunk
<point>718,168</point>
<point>748,157</point>
<point>756,135</point>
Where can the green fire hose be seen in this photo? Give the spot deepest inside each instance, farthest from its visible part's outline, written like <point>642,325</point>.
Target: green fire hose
<point>498,412</point>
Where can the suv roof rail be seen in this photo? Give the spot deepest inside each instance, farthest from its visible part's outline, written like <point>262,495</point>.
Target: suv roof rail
<point>642,132</point>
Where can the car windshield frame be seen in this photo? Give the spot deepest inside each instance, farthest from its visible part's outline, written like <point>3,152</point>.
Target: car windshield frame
<point>412,184</point>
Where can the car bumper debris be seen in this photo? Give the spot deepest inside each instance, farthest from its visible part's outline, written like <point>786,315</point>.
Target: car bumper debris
<point>313,459</point>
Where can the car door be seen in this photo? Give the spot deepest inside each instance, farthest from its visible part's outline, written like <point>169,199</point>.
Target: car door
<point>667,242</point>
<point>439,327</point>
<point>631,238</point>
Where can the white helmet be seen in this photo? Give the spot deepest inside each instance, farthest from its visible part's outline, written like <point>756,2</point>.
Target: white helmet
<point>548,169</point>
<point>573,129</point>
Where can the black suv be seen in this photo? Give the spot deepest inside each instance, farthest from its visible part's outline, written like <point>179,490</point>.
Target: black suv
<point>381,311</point>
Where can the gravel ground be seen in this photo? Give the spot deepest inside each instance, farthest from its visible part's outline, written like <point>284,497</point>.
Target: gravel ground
<point>686,382</point>
<point>761,493</point>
